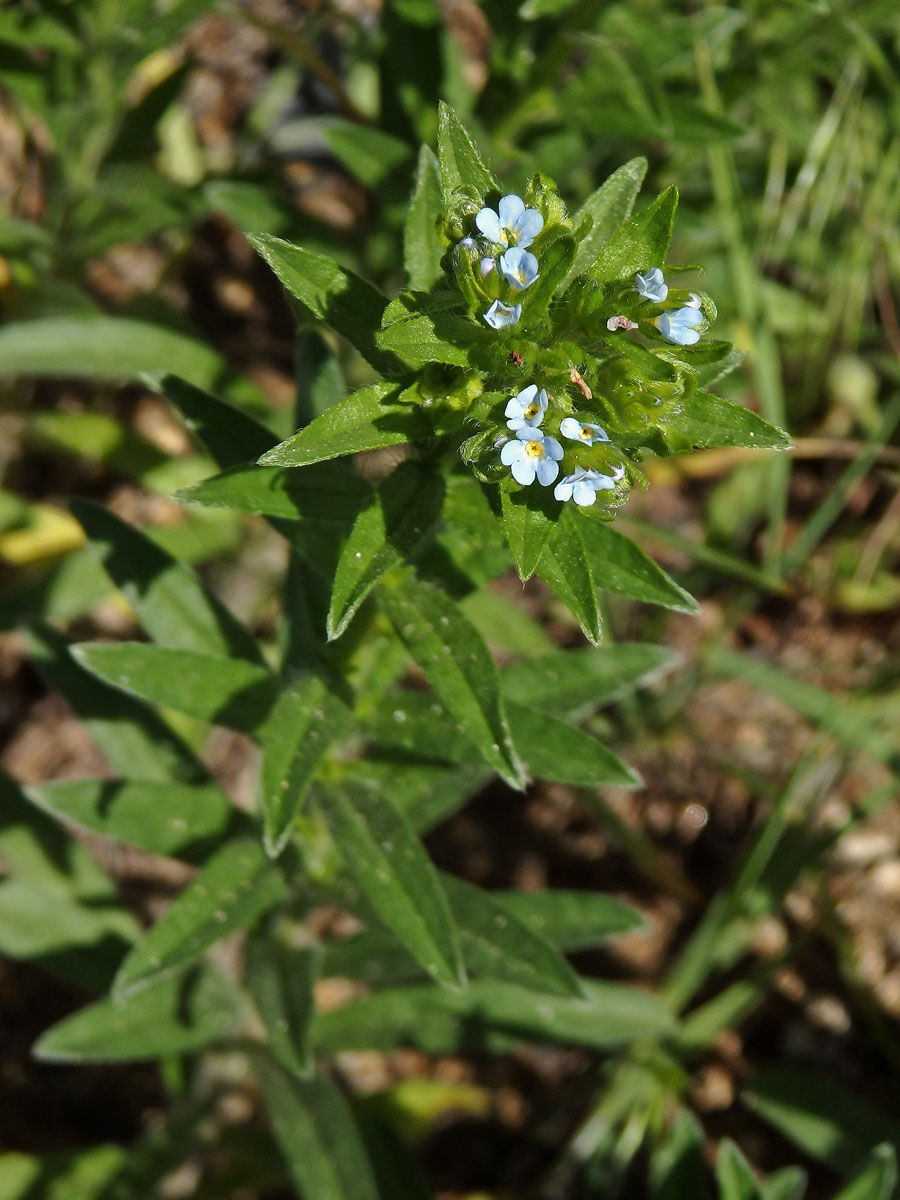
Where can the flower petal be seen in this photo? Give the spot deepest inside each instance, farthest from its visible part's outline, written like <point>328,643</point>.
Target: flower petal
<point>489,224</point>
<point>563,490</point>
<point>547,471</point>
<point>552,448</point>
<point>511,452</point>
<point>583,494</point>
<point>510,209</point>
<point>527,227</point>
<point>570,428</point>
<point>523,470</point>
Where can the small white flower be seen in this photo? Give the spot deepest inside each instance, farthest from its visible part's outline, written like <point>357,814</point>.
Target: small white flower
<point>680,326</point>
<point>582,486</point>
<point>499,315</point>
<point>486,265</point>
<point>513,223</point>
<point>526,411</point>
<point>519,267</point>
<point>532,454</point>
<point>582,431</point>
<point>651,286</point>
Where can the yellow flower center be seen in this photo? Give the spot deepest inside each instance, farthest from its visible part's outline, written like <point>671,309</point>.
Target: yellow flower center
<point>534,449</point>
<point>586,432</point>
<point>532,409</point>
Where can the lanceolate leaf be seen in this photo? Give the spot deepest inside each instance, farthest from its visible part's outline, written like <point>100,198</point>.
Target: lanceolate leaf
<point>421,248</point>
<point>322,494</point>
<point>320,382</point>
<point>280,980</point>
<point>877,1179</point>
<point>367,420</point>
<point>236,886</point>
<point>570,683</point>
<point>497,945</point>
<point>223,691</point>
<point>336,296</point>
<point>710,420</point>
<point>734,1175</point>
<point>390,865</point>
<point>461,165</point>
<point>458,664</point>
<point>304,721</point>
<point>619,565</point>
<point>230,436</point>
<point>172,604</point>
<point>491,1015</point>
<point>318,1136</point>
<point>419,329</point>
<point>367,152</point>
<point>609,207</point>
<point>174,1016</point>
<point>640,243</point>
<point>389,529</point>
<point>131,736</point>
<point>177,819</point>
<point>554,750</point>
<point>564,565</point>
<point>528,522</point>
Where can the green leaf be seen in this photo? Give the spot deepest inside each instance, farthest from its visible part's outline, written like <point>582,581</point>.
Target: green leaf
<point>54,1176</point>
<point>129,734</point>
<point>709,421</point>
<point>461,165</point>
<point>234,888</point>
<point>422,329</point>
<point>322,494</point>
<point>876,1180</point>
<point>555,750</point>
<point>787,1184</point>
<point>422,249</point>
<point>318,1136</point>
<point>491,1015</point>
<point>564,565</point>
<point>387,531</point>
<point>368,153</point>
<point>733,1174</point>
<point>825,1119</point>
<point>230,436</point>
<point>533,10</point>
<point>173,1016</point>
<point>459,667</point>
<point>344,301</point>
<point>176,819</point>
<point>320,382</point>
<point>574,682</point>
<point>367,420</point>
<point>639,244</point>
<point>619,565</point>
<point>223,691</point>
<point>527,523</point>
<point>608,207</point>
<point>571,920</point>
<point>497,945</point>
<point>389,863</point>
<point>113,348</point>
<point>37,921</point>
<point>677,1164</point>
<point>280,979</point>
<point>305,719</point>
<point>171,603</point>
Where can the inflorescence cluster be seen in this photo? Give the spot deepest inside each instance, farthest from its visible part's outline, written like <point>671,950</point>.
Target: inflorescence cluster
<point>496,267</point>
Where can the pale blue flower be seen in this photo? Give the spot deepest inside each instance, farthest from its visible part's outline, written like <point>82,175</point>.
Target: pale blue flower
<point>651,286</point>
<point>527,409</point>
<point>582,486</point>
<point>532,454</point>
<point>519,267</point>
<point>582,431</point>
<point>499,315</point>
<point>513,223</point>
<point>680,326</point>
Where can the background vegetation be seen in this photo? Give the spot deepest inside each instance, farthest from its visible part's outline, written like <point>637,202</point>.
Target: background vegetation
<point>139,143</point>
